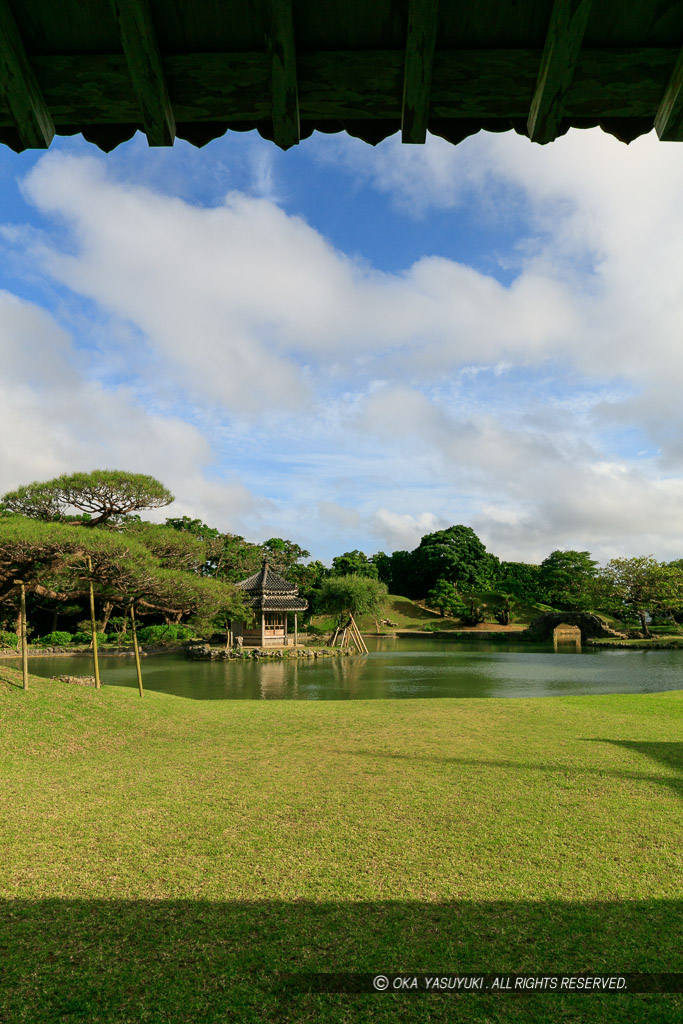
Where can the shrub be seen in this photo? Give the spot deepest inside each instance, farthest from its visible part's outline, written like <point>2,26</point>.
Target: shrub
<point>8,639</point>
<point>445,597</point>
<point>57,638</point>
<point>474,615</point>
<point>86,638</point>
<point>161,634</point>
<point>84,626</point>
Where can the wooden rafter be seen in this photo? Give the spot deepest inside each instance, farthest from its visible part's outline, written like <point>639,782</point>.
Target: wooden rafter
<point>291,67</point>
<point>563,41</point>
<point>283,73</point>
<point>141,50</point>
<point>419,64</point>
<point>669,118</point>
<point>218,87</point>
<point>19,86</point>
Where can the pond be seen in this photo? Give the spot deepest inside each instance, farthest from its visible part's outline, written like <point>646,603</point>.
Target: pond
<point>397,667</point>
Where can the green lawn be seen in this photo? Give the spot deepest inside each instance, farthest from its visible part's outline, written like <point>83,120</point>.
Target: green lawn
<point>168,860</point>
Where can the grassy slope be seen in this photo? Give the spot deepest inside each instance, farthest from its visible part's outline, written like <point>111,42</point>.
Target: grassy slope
<point>405,613</point>
<point>409,614</point>
<point>168,860</point>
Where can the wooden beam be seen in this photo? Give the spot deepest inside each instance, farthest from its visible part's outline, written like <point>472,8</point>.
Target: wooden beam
<point>669,117</point>
<point>423,16</point>
<point>281,49</point>
<point>141,50</point>
<point>19,86</point>
<point>563,41</point>
<point>88,90</point>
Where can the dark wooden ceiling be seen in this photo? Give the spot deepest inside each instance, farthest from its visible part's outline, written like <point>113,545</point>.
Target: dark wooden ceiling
<point>197,68</point>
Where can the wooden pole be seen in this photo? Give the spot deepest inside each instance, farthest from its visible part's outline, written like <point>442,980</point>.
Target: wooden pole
<point>352,633</point>
<point>296,629</point>
<point>24,641</point>
<point>136,648</point>
<point>94,629</point>
<point>359,641</point>
<point>357,638</point>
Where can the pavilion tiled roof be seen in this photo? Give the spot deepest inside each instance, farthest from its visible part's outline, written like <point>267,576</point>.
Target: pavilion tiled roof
<point>268,581</point>
<point>276,604</point>
<point>271,592</point>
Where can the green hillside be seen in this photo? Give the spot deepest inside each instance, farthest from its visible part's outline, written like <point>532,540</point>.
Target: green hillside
<point>405,613</point>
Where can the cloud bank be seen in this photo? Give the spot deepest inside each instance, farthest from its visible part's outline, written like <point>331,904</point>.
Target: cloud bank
<point>280,385</point>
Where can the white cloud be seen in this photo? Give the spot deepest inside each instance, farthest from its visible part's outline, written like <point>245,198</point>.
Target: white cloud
<point>53,420</point>
<point>235,297</point>
<point>402,531</point>
<point>394,403</point>
<point>339,516</point>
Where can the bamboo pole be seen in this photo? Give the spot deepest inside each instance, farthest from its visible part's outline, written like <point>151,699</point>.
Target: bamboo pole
<point>357,638</point>
<point>360,642</point>
<point>136,648</point>
<point>352,633</point>
<point>334,638</point>
<point>24,641</point>
<point>94,629</point>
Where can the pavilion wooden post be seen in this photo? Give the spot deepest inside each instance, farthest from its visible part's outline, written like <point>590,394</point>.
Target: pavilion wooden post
<point>94,629</point>
<point>286,615</point>
<point>136,648</point>
<point>296,630</point>
<point>24,642</point>
<point>263,629</point>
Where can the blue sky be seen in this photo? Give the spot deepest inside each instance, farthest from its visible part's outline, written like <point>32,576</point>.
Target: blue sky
<point>353,346</point>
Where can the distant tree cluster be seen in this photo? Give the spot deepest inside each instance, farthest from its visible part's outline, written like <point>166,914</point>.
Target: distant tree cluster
<point>61,535</point>
<point>453,573</point>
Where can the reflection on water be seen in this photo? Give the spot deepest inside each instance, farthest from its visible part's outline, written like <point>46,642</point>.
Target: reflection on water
<point>399,667</point>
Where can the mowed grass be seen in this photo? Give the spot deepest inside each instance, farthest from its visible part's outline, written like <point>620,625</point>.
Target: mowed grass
<point>169,860</point>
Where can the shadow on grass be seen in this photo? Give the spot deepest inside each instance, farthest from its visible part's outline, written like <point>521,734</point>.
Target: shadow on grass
<point>661,752</point>
<point>199,961</point>
<point>669,754</point>
<point>4,681</point>
<point>412,610</point>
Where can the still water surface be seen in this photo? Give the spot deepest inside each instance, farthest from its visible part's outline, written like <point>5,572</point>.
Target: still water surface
<point>398,667</point>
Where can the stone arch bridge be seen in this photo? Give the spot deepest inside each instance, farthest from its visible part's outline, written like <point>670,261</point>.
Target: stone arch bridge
<point>541,628</point>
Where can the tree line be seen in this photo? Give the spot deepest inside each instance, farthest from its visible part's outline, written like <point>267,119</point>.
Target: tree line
<point>452,570</point>
<point>61,537</point>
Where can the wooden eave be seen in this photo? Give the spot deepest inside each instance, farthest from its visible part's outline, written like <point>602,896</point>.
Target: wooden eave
<point>195,69</point>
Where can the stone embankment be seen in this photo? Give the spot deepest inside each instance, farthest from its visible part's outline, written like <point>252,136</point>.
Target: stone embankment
<point>204,652</point>
<point>77,680</point>
<point>79,652</point>
<point>642,644</point>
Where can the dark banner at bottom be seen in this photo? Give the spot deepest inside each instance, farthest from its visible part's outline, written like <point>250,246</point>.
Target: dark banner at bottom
<point>487,983</point>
